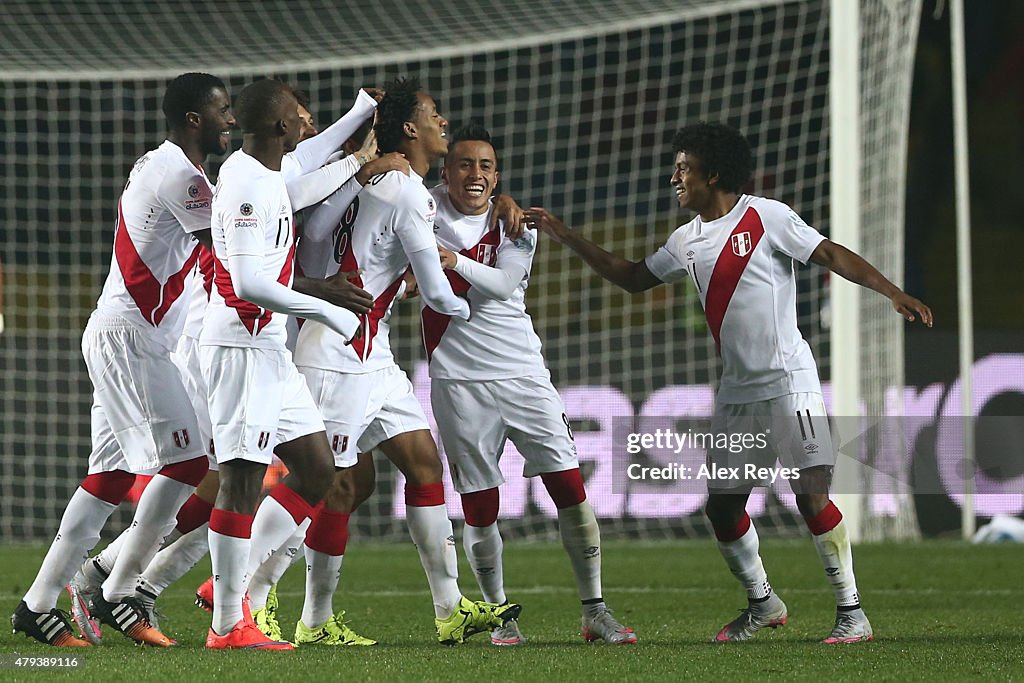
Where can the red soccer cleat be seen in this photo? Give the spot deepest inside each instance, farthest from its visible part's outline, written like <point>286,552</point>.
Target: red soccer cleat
<point>244,636</point>
<point>204,595</point>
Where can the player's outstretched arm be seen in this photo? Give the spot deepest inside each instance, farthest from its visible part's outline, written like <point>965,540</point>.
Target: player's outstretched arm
<point>308,189</point>
<point>313,152</point>
<point>250,284</point>
<point>854,268</point>
<point>632,276</point>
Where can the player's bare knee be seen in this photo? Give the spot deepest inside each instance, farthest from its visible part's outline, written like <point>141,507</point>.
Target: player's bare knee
<point>341,493</point>
<point>725,511</point>
<point>415,455</point>
<point>240,485</point>
<point>811,504</point>
<point>207,489</point>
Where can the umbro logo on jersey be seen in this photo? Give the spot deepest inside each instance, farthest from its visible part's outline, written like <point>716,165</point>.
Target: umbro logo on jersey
<point>690,254</point>
<point>245,209</point>
<point>741,244</point>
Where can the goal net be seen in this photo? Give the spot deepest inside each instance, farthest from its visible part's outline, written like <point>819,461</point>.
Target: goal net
<point>582,96</point>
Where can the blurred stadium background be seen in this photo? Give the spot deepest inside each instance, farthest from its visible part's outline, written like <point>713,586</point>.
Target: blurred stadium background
<point>583,97</point>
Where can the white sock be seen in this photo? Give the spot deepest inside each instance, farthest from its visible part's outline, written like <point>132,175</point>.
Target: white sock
<point>271,528</point>
<point>107,558</point>
<point>229,556</point>
<point>431,531</point>
<point>837,559</point>
<point>78,533</point>
<point>174,561</point>
<point>271,571</point>
<point>581,538</point>
<point>322,574</point>
<point>483,546</point>
<point>743,560</point>
<point>154,519</point>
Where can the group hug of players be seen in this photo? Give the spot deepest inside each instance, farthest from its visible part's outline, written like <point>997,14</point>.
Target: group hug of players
<point>201,374</point>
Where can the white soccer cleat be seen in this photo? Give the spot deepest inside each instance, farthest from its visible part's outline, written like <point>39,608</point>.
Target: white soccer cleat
<point>851,627</point>
<point>84,585</point>
<point>508,634</point>
<point>604,626</point>
<point>771,613</point>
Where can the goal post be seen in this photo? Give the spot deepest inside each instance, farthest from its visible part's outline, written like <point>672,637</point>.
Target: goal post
<point>582,97</point>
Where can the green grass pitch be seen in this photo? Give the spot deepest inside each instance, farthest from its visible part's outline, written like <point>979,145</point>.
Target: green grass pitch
<point>940,610</point>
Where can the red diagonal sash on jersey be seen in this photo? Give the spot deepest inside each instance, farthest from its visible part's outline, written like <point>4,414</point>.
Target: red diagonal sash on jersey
<point>728,269</point>
<point>152,298</point>
<point>434,323</point>
<point>252,316</point>
<point>371,321</point>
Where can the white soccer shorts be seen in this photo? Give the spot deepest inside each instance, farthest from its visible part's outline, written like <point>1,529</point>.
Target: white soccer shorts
<point>476,418</point>
<point>186,357</point>
<point>257,400</point>
<point>793,428</point>
<point>142,418</point>
<point>361,411</point>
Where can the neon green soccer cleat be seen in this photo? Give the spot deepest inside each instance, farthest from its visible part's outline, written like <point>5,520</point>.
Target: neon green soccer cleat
<point>473,617</point>
<point>266,618</point>
<point>333,632</point>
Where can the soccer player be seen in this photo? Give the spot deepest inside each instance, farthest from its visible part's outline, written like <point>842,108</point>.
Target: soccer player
<point>258,402</point>
<point>489,383</point>
<point>738,252</point>
<point>179,556</point>
<point>142,420</point>
<point>366,400</point>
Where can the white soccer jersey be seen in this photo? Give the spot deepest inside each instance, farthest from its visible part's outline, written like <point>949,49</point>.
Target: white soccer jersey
<point>498,341</point>
<point>252,216</point>
<point>198,291</point>
<point>393,215</point>
<point>166,199</point>
<point>742,266</point>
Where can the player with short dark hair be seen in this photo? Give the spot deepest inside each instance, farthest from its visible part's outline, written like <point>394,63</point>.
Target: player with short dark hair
<point>485,390</point>
<point>738,252</point>
<point>366,399</point>
<point>305,184</point>
<point>142,419</point>
<point>259,404</point>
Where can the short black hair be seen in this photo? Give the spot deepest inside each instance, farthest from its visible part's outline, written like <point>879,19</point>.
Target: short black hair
<point>259,104</point>
<point>188,92</point>
<point>472,131</point>
<point>398,106</point>
<point>721,149</point>
<point>302,96</point>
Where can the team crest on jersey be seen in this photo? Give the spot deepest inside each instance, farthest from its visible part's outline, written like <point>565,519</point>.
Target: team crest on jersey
<point>339,444</point>
<point>181,438</point>
<point>245,209</point>
<point>264,440</point>
<point>741,244</point>
<point>193,190</point>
